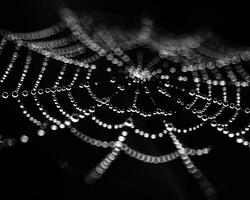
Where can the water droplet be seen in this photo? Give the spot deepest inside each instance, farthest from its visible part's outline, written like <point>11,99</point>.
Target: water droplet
<point>74,118</point>
<point>41,132</point>
<point>53,127</point>
<point>108,69</point>
<point>14,94</point>
<point>213,123</point>
<point>40,91</point>
<point>5,95</point>
<point>24,139</point>
<point>192,92</point>
<point>25,93</point>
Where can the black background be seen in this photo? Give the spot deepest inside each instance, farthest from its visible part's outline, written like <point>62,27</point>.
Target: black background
<point>35,170</point>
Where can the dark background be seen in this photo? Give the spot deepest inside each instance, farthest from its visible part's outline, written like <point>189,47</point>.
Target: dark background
<point>35,171</point>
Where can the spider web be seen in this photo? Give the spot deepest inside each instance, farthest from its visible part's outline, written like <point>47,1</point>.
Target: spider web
<point>111,87</point>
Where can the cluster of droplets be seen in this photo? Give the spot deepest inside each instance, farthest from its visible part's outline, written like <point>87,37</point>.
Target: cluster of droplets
<point>63,50</point>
